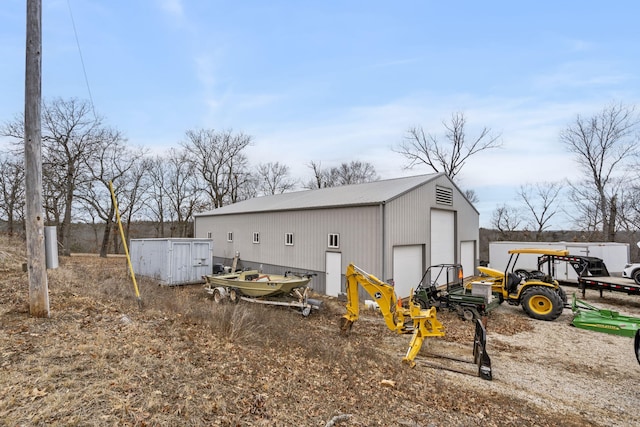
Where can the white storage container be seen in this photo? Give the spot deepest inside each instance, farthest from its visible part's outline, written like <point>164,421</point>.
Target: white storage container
<point>173,261</point>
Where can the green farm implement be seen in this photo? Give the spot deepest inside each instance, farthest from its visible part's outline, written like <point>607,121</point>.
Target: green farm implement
<point>586,316</point>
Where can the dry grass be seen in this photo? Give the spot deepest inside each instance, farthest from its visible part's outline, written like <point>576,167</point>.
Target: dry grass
<point>183,360</point>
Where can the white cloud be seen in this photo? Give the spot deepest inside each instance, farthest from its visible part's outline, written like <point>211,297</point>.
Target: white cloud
<point>173,8</point>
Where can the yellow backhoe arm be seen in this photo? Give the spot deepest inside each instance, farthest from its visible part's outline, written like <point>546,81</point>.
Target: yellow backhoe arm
<point>423,322</point>
<point>382,292</point>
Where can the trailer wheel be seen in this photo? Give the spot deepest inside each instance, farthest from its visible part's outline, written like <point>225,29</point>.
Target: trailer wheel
<point>217,296</point>
<point>542,303</point>
<point>469,314</point>
<point>306,311</point>
<point>234,296</point>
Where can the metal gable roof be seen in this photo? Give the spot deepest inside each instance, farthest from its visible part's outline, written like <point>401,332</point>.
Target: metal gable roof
<point>369,193</point>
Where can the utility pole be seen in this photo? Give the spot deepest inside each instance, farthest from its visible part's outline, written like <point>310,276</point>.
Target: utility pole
<point>34,221</point>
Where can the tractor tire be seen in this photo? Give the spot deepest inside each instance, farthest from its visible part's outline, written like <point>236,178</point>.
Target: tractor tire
<point>424,305</point>
<point>563,295</point>
<point>542,303</point>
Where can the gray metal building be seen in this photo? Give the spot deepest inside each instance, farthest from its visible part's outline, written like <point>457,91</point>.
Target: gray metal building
<point>393,229</point>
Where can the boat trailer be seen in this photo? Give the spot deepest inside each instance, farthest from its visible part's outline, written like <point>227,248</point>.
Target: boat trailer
<point>299,299</point>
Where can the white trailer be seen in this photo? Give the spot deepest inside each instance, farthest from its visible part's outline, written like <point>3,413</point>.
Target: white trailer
<point>615,255</point>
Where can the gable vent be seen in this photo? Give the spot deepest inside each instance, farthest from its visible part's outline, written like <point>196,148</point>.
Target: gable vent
<point>444,196</point>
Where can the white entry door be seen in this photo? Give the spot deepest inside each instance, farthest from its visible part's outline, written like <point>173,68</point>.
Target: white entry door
<point>333,273</point>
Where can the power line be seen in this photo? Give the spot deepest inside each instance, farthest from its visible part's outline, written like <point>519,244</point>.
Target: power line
<point>84,70</point>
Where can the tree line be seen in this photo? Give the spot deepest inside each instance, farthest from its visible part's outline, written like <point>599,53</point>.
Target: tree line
<point>82,155</point>
<point>210,169</point>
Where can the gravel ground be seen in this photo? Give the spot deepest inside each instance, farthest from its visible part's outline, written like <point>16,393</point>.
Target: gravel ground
<point>567,369</point>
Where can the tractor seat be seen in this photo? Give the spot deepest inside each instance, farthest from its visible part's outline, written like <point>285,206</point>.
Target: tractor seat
<point>513,280</point>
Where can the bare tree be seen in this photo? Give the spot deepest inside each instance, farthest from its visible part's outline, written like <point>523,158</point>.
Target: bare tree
<point>541,199</point>
<point>274,178</point>
<point>116,163</point>
<point>629,211</point>
<point>447,156</point>
<point>182,189</point>
<point>506,219</point>
<point>471,195</point>
<point>320,176</point>
<point>158,202</point>
<point>12,190</point>
<point>71,133</point>
<point>603,144</point>
<point>137,193</point>
<point>355,172</point>
<point>582,208</point>
<point>220,163</point>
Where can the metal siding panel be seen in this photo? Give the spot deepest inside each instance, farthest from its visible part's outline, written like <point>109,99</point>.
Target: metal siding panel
<point>201,260</point>
<point>357,226</point>
<point>180,262</point>
<point>150,258</point>
<point>407,223</point>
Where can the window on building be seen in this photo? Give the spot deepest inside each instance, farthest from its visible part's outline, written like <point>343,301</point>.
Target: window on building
<point>229,236</point>
<point>288,239</point>
<point>256,237</point>
<point>334,240</point>
<point>208,234</point>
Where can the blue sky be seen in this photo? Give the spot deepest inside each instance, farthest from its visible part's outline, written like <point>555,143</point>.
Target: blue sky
<point>335,81</point>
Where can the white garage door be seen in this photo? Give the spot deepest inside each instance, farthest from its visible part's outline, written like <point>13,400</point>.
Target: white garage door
<point>443,237</point>
<point>407,268</point>
<point>468,257</point>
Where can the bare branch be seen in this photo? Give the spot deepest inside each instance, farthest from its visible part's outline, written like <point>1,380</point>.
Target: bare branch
<point>451,155</point>
<point>602,145</point>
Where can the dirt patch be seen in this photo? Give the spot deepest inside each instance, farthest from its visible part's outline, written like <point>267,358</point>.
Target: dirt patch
<point>182,360</point>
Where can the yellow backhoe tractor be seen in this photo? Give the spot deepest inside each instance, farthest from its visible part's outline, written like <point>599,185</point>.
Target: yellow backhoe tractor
<point>538,292</point>
<point>412,320</point>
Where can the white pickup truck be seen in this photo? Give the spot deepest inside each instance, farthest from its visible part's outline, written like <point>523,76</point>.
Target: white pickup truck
<point>632,271</point>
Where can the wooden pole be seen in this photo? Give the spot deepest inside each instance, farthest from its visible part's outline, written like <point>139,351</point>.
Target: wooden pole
<point>38,288</point>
